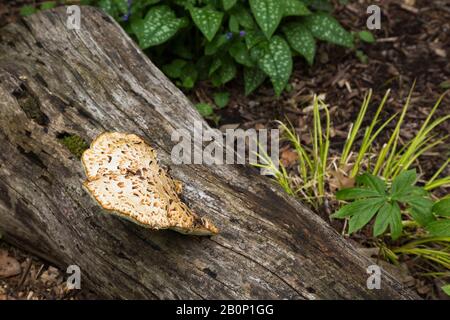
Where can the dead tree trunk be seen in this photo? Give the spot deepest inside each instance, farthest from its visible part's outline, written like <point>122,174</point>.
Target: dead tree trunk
<point>56,82</point>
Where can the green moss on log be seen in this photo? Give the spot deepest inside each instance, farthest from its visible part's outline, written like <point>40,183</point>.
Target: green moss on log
<point>75,144</point>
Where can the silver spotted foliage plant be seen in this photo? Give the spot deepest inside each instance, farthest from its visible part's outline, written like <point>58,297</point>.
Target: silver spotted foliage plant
<point>214,40</point>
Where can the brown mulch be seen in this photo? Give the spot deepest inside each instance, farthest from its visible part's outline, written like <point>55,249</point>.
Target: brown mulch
<point>25,277</point>
<point>413,44</point>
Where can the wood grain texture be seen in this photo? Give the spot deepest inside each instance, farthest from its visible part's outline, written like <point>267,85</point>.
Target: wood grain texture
<point>55,81</point>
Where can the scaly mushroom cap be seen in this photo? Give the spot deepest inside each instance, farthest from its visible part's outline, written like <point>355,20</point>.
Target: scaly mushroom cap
<point>124,176</point>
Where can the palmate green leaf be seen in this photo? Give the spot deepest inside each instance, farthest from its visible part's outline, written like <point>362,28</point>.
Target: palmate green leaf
<point>326,28</point>
<point>268,14</point>
<point>241,54</point>
<point>357,193</point>
<point>403,183</point>
<point>440,228</point>
<point>277,63</point>
<point>159,25</point>
<point>295,8</point>
<point>228,4</point>
<point>365,214</point>
<point>207,20</point>
<point>358,206</point>
<point>395,221</point>
<point>420,209</point>
<point>373,182</point>
<point>383,218</point>
<point>253,78</point>
<point>442,207</point>
<point>301,40</point>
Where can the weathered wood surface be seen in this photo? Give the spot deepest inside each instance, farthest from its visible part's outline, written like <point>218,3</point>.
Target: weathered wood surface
<point>55,81</point>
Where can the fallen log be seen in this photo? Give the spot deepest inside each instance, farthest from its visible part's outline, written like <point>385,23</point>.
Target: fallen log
<point>58,84</point>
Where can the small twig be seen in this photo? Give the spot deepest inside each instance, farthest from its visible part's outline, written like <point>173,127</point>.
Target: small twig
<point>25,273</point>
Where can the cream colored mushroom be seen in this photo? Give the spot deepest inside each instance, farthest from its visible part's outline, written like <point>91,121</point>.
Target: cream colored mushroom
<point>124,177</point>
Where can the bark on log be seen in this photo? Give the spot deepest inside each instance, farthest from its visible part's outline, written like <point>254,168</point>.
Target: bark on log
<point>54,82</point>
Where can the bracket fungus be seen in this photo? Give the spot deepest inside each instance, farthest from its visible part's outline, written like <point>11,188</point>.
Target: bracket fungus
<point>124,177</point>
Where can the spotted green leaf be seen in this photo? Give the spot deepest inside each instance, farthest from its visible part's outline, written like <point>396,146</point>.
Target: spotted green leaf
<point>277,63</point>
<point>301,40</point>
<point>295,8</point>
<point>326,28</point>
<point>253,78</point>
<point>207,20</point>
<point>268,14</point>
<point>159,25</point>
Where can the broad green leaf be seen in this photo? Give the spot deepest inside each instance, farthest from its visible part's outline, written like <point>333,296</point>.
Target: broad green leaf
<point>240,53</point>
<point>301,40</point>
<point>252,38</point>
<point>403,183</point>
<point>395,221</point>
<point>366,36</point>
<point>383,218</point>
<point>277,63</point>
<point>221,99</point>
<point>233,24</point>
<point>421,210</point>
<point>356,193</point>
<point>207,20</point>
<point>228,4</point>
<point>442,207</point>
<point>268,14</point>
<point>295,8</point>
<point>159,25</point>
<point>27,10</point>
<point>361,218</point>
<point>204,109</point>
<point>326,28</point>
<point>253,78</point>
<point>372,182</point>
<point>174,69</point>
<point>440,228</point>
<point>243,16</point>
<point>358,206</point>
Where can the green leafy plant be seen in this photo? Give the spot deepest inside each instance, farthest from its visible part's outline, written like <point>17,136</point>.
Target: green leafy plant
<point>373,197</point>
<point>194,40</point>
